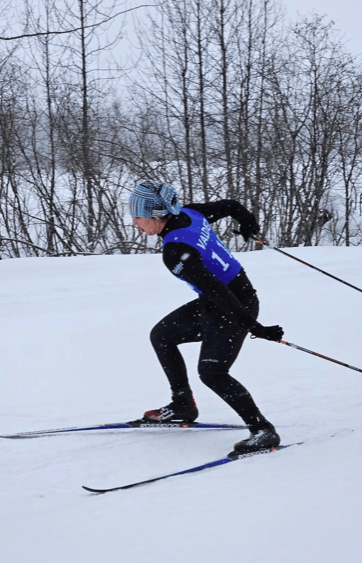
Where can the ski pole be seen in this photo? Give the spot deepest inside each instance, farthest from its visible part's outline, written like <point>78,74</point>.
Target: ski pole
<point>319,355</point>
<point>263,242</point>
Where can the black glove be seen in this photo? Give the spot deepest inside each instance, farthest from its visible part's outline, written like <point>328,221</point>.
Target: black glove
<point>248,228</point>
<point>274,332</point>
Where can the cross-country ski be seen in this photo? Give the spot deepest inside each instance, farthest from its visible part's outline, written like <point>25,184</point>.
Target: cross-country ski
<point>231,457</point>
<point>133,424</point>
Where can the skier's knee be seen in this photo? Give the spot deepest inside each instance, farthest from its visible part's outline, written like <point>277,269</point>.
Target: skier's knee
<point>158,335</point>
<point>154,336</point>
<point>209,371</point>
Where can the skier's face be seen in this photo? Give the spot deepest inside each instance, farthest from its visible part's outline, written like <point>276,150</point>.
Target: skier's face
<point>149,225</point>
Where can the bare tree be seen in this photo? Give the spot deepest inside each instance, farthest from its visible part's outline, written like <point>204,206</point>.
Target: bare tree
<point>227,103</point>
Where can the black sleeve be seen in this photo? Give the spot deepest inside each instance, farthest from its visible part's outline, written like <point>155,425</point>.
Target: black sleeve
<point>185,262</point>
<point>213,211</point>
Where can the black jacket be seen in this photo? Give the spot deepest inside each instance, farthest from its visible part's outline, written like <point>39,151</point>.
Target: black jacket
<point>229,299</point>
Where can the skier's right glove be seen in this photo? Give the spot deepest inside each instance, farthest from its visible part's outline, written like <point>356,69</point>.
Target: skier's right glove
<point>248,228</point>
<point>274,333</point>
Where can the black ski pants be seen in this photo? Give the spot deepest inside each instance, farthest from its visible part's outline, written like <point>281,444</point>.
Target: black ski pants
<point>221,340</point>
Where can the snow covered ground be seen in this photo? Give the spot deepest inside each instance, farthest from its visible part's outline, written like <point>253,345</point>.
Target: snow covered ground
<point>74,350</point>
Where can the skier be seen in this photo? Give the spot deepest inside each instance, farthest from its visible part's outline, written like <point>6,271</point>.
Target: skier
<point>220,318</point>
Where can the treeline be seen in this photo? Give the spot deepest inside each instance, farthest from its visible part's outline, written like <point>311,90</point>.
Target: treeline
<point>226,101</point>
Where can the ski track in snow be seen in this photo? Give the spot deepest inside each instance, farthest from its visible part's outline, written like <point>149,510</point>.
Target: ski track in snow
<point>75,350</point>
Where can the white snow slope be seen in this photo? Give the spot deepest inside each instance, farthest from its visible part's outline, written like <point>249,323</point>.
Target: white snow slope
<point>74,350</point>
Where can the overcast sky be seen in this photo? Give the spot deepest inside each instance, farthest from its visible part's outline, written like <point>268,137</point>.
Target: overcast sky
<point>347,15</point>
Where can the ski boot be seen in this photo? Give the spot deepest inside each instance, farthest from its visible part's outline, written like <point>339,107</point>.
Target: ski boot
<point>182,407</point>
<point>261,438</point>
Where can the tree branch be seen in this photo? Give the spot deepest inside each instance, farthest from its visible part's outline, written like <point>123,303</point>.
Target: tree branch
<point>47,33</point>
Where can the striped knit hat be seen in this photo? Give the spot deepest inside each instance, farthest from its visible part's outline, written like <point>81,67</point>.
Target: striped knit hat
<point>154,199</point>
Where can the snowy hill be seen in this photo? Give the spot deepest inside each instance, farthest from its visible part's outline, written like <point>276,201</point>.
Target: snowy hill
<point>74,350</point>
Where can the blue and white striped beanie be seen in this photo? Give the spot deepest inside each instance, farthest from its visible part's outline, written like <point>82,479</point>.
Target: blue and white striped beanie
<point>154,199</point>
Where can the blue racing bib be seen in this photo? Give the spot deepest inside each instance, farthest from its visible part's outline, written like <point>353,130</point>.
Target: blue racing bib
<point>214,254</point>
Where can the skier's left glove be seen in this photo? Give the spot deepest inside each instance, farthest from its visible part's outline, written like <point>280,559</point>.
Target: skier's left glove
<point>248,228</point>
<point>274,333</point>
